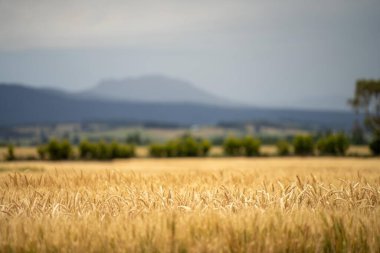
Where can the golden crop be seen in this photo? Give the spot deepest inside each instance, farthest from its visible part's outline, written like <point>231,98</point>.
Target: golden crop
<point>191,205</point>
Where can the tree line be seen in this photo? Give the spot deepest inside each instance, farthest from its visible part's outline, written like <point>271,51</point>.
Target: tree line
<point>302,145</point>
<point>333,144</point>
<point>63,150</point>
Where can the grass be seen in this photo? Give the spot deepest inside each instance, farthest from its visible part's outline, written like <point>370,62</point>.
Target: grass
<point>192,205</point>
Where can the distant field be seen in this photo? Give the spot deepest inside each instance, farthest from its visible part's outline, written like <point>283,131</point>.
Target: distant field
<point>27,135</point>
<point>191,205</point>
<point>31,152</point>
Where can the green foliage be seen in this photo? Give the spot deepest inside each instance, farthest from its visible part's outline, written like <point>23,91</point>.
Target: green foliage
<point>374,145</point>
<point>303,145</point>
<point>42,152</point>
<point>158,150</point>
<point>66,150</point>
<point>247,146</point>
<point>123,151</point>
<point>102,151</point>
<point>186,146</point>
<point>170,149</point>
<point>283,148</point>
<point>205,147</point>
<point>105,151</point>
<point>251,146</point>
<point>233,147</point>
<point>55,150</point>
<point>333,144</point>
<point>367,99</point>
<point>10,156</point>
<point>87,150</point>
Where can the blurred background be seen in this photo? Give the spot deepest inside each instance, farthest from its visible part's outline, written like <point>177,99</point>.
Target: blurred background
<point>146,72</point>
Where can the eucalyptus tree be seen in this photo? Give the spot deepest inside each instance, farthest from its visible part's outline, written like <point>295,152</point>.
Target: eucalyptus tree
<point>367,99</point>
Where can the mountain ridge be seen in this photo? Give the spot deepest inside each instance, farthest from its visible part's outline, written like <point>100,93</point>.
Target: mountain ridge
<point>153,88</point>
<point>21,105</point>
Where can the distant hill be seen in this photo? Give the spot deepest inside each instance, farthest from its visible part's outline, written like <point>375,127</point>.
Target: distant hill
<point>24,105</point>
<point>152,88</point>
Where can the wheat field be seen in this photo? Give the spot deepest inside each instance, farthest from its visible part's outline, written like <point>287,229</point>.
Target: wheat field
<point>191,205</point>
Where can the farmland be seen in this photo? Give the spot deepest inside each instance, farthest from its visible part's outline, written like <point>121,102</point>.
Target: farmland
<point>191,205</point>
<point>30,153</point>
<point>30,134</point>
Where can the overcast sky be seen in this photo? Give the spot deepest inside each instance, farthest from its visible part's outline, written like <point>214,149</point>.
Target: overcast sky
<point>294,53</point>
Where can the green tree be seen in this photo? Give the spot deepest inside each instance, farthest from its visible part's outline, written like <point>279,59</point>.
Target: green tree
<point>374,145</point>
<point>158,150</point>
<point>283,148</point>
<point>303,145</point>
<point>105,151</point>
<point>65,150</point>
<point>87,150</point>
<point>56,150</point>
<point>205,146</point>
<point>10,156</point>
<point>251,146</point>
<point>333,144</point>
<point>42,152</point>
<point>233,147</point>
<point>53,149</point>
<point>367,99</point>
<point>185,146</point>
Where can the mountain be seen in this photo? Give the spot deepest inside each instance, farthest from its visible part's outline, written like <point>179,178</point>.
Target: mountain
<point>326,102</point>
<point>25,105</point>
<point>152,88</point>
